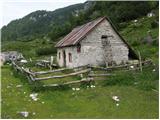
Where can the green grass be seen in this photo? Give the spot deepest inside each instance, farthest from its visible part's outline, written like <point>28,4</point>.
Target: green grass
<point>27,48</point>
<point>135,34</point>
<point>135,88</point>
<point>66,103</point>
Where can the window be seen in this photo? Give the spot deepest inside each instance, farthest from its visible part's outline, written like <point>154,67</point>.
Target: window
<point>59,55</point>
<point>78,48</point>
<point>103,36</point>
<point>70,57</point>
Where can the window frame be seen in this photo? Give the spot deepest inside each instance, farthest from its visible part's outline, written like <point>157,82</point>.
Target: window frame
<point>70,57</point>
<point>79,48</point>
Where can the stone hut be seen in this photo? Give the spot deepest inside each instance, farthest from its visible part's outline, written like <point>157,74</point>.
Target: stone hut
<point>95,43</point>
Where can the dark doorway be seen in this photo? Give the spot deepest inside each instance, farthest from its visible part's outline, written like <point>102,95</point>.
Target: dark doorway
<point>107,49</point>
<point>64,58</point>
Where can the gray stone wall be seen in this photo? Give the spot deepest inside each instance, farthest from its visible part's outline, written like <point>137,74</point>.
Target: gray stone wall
<point>93,51</point>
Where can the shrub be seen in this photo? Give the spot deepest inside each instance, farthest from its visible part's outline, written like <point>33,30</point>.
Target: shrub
<point>121,78</point>
<point>145,80</point>
<point>155,42</point>
<point>135,43</point>
<point>154,24</point>
<point>46,51</point>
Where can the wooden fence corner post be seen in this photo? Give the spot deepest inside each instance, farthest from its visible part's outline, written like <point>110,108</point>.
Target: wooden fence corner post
<point>140,61</point>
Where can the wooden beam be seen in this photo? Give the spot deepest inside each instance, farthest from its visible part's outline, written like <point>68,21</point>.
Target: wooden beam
<point>140,61</point>
<point>50,71</point>
<point>71,82</point>
<point>99,75</point>
<point>66,75</point>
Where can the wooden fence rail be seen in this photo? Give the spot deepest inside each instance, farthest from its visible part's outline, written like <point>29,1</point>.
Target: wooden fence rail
<point>66,75</point>
<point>33,76</point>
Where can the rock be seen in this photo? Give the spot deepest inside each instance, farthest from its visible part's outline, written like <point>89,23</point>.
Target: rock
<point>92,86</point>
<point>135,21</point>
<point>117,104</point>
<point>73,89</point>
<point>23,61</point>
<point>42,102</point>
<point>115,98</point>
<point>33,113</point>
<point>18,86</point>
<point>77,89</point>
<point>24,113</point>
<point>131,67</point>
<point>11,73</point>
<point>34,96</point>
<point>8,86</point>
<point>135,83</point>
<point>154,70</point>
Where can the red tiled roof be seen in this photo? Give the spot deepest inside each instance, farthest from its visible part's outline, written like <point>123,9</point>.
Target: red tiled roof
<point>78,33</point>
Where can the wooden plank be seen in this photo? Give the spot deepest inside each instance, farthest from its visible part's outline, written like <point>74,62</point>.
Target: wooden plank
<point>50,71</point>
<point>71,82</point>
<point>28,72</point>
<point>140,61</point>
<point>99,75</point>
<point>66,75</point>
<point>58,70</point>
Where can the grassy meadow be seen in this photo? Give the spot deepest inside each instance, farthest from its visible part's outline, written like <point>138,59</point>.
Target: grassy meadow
<point>86,103</point>
<point>138,91</point>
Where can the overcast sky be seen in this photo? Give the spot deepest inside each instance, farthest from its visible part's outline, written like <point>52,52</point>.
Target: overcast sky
<point>14,9</point>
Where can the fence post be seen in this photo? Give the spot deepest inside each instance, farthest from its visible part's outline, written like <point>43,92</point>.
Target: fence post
<point>140,61</point>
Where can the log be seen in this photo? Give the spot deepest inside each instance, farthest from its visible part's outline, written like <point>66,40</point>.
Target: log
<point>71,82</point>
<point>58,70</point>
<point>28,72</point>
<point>99,75</point>
<point>66,75</point>
<point>140,62</point>
<point>50,71</point>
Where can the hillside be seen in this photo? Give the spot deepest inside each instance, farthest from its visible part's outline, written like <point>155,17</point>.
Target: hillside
<point>54,24</point>
<point>37,24</point>
<point>137,91</point>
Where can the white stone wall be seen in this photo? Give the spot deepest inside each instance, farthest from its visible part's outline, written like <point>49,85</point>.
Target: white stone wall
<point>92,51</point>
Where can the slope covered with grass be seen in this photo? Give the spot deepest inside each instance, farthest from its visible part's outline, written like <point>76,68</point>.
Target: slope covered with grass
<point>65,103</point>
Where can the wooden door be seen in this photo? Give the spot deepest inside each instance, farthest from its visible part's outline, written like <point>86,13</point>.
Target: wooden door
<point>64,58</point>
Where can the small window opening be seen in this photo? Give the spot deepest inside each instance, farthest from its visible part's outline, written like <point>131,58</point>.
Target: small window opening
<point>103,36</point>
<point>70,57</point>
<point>78,48</point>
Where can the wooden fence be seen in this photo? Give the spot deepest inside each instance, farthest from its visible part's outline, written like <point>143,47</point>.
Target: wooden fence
<point>32,76</point>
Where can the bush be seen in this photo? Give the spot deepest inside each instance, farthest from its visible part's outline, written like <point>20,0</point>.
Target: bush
<point>136,43</point>
<point>154,24</point>
<point>145,80</point>
<point>46,51</point>
<point>121,78</point>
